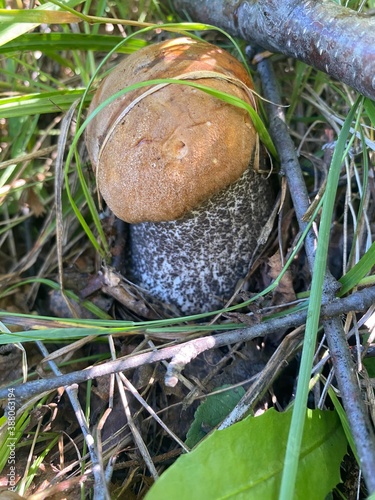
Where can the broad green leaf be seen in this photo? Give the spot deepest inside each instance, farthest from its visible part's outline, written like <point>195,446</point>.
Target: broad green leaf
<point>245,461</point>
<point>211,412</point>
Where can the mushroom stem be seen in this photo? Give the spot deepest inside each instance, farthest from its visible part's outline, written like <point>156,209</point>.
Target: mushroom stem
<point>196,262</point>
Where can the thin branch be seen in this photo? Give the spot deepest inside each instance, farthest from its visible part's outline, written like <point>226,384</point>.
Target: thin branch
<point>359,301</point>
<point>100,489</point>
<point>321,33</point>
<point>138,440</point>
<point>285,352</point>
<point>130,387</point>
<point>338,347</point>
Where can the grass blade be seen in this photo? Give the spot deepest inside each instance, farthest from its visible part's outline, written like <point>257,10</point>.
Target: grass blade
<point>312,324</point>
<point>11,30</point>
<point>358,272</point>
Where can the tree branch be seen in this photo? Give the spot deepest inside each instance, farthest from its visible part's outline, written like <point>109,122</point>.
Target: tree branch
<point>100,488</point>
<point>320,33</point>
<point>359,301</point>
<point>341,359</point>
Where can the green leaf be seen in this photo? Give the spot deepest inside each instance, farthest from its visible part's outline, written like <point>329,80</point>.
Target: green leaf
<point>37,16</point>
<point>357,272</point>
<point>51,334</point>
<point>52,42</point>
<point>9,435</point>
<point>370,109</point>
<point>370,366</point>
<point>46,102</point>
<point>245,461</point>
<point>211,412</point>
<point>11,30</point>
<point>313,314</point>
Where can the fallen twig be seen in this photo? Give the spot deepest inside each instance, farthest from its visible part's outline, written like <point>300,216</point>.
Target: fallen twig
<point>338,347</point>
<point>278,361</point>
<point>100,491</point>
<point>358,301</point>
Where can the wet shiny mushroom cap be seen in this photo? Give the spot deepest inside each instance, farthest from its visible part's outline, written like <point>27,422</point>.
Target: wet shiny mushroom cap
<point>160,151</point>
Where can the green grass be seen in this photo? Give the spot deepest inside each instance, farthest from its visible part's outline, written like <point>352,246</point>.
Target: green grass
<point>50,220</point>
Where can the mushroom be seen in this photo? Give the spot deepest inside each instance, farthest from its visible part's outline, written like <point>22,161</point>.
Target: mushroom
<point>180,166</point>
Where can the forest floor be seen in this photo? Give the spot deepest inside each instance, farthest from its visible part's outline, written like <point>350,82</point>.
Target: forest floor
<point>84,353</point>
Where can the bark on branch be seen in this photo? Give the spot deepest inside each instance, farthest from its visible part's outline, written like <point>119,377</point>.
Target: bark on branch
<point>358,301</point>
<point>321,33</point>
<point>342,361</point>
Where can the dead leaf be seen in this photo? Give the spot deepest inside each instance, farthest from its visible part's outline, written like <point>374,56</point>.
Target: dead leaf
<point>35,204</point>
<point>284,292</point>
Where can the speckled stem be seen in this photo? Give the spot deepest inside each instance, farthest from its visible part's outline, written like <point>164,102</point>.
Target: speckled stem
<point>195,263</point>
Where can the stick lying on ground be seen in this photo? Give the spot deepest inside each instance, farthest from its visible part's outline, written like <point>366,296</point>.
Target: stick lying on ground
<point>359,301</point>
<point>341,358</point>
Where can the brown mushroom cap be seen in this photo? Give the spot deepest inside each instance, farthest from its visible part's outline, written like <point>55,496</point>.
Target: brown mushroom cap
<point>161,155</point>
